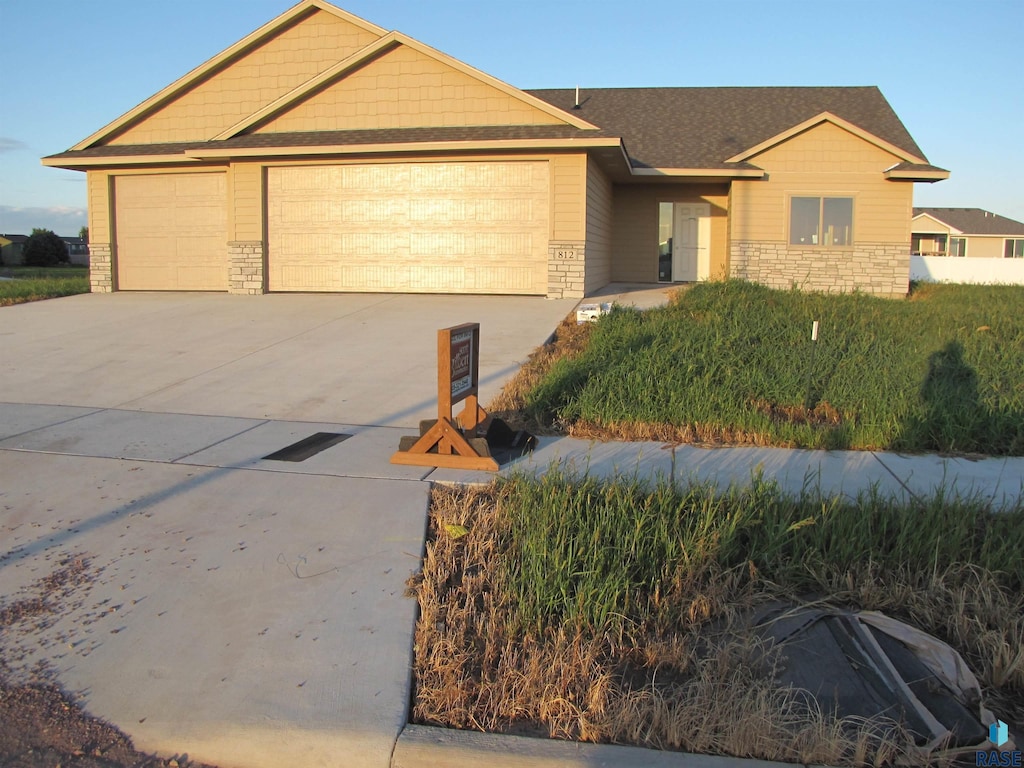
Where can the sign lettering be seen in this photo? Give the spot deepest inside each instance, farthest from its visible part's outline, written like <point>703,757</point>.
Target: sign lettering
<point>461,362</point>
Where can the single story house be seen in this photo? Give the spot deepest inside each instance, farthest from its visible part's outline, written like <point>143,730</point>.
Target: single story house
<point>970,232</point>
<point>10,249</point>
<point>325,153</point>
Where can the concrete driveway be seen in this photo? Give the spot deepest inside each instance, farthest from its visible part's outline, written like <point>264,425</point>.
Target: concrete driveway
<point>206,599</point>
<point>355,358</point>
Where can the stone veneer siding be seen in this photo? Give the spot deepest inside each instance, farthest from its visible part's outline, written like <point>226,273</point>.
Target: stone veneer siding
<point>566,270</point>
<point>101,268</point>
<point>876,268</point>
<point>246,276</point>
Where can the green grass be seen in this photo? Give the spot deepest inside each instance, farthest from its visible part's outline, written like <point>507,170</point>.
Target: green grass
<point>619,613</point>
<point>584,553</point>
<point>939,371</point>
<point>38,283</point>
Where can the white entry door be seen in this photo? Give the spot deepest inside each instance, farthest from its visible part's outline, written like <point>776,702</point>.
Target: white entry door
<point>691,237</point>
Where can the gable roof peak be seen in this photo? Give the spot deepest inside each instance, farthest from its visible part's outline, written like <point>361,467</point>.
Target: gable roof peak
<point>250,41</point>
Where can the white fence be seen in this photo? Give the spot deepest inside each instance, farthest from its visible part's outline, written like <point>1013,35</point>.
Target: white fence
<point>949,269</point>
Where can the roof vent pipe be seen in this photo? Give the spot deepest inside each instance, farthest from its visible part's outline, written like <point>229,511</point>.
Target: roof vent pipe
<point>577,104</point>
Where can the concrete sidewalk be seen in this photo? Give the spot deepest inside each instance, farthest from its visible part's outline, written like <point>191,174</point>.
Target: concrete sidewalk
<point>247,611</point>
<point>997,481</point>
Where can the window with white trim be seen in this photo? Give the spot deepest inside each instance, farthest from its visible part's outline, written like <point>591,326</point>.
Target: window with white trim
<point>821,222</point>
<point>1014,248</point>
<point>958,246</point>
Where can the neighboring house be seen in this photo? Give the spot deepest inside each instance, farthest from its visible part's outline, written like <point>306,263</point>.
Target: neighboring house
<point>324,153</point>
<point>970,232</point>
<point>10,249</point>
<point>78,249</point>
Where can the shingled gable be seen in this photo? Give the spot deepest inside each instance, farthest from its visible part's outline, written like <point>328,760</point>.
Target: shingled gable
<point>226,57</point>
<point>970,221</point>
<point>324,153</point>
<point>382,43</point>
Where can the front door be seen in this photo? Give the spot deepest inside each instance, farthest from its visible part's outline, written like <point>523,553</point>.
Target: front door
<point>691,234</point>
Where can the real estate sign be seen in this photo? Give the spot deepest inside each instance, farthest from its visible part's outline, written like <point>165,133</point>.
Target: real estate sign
<point>458,364</point>
<point>462,363</point>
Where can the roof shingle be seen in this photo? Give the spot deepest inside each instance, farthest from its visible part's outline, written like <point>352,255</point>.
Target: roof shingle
<point>975,221</point>
<point>702,127</point>
<point>685,128</point>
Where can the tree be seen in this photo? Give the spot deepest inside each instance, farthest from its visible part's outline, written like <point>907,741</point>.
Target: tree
<point>44,249</point>
<point>84,234</point>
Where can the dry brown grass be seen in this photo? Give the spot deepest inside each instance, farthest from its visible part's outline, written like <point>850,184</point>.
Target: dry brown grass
<point>703,685</point>
<point>694,434</point>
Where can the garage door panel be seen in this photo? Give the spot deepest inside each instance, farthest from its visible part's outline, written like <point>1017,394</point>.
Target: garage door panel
<point>427,227</point>
<point>171,232</point>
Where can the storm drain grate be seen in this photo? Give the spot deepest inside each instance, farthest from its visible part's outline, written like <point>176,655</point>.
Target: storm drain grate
<point>308,446</point>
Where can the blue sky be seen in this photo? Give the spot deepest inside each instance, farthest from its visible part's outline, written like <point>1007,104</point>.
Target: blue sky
<point>951,69</point>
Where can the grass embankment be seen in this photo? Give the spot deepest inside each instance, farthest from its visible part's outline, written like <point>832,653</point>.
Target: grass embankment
<point>733,362</point>
<point>609,613</point>
<point>38,283</point>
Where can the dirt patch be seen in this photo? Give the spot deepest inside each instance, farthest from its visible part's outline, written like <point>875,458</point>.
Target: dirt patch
<point>41,726</point>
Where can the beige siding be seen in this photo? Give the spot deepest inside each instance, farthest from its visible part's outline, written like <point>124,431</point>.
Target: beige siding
<point>171,231</point>
<point>599,229</point>
<point>825,160</point>
<point>284,62</point>
<point>635,227</point>
<point>927,224</point>
<point>245,203</point>
<point>98,192</point>
<point>404,88</point>
<point>443,227</point>
<point>982,247</point>
<point>568,197</point>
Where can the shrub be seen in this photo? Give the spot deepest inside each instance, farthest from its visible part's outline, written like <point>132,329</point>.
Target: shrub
<point>44,249</point>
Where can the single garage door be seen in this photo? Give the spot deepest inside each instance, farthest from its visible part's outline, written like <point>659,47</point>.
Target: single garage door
<point>171,232</point>
<point>470,227</point>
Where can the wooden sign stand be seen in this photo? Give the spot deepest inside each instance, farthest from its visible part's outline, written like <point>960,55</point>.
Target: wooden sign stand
<point>458,378</point>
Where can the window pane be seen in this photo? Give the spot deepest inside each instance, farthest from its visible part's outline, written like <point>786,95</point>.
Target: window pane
<point>958,246</point>
<point>803,220</point>
<point>1014,249</point>
<point>837,221</point>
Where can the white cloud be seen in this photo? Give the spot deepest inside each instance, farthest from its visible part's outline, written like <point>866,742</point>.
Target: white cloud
<point>63,220</point>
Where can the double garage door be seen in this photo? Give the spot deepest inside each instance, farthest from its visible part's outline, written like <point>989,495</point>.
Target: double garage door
<point>471,227</point>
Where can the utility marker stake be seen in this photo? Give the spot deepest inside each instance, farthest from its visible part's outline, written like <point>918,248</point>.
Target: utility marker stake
<point>810,364</point>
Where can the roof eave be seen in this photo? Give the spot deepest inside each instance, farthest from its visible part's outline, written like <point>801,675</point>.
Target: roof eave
<point>912,175</point>
<point>229,153</point>
<point>689,173</point>
<point>109,161</point>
